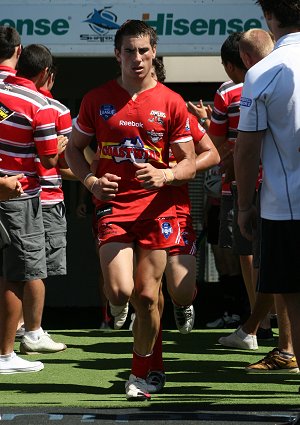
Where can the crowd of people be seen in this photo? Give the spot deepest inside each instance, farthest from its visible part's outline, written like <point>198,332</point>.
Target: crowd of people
<point>150,144</point>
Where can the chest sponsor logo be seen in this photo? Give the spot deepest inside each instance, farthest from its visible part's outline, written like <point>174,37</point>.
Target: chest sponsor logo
<point>246,102</point>
<point>133,150</point>
<point>155,136</point>
<point>5,112</point>
<point>131,124</point>
<point>166,229</point>
<point>107,111</point>
<point>157,116</point>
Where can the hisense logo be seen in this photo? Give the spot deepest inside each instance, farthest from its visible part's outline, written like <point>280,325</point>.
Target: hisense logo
<point>165,24</point>
<point>41,26</point>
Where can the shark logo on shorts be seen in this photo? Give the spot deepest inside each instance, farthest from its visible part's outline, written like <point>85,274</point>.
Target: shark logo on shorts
<point>107,111</point>
<point>166,229</point>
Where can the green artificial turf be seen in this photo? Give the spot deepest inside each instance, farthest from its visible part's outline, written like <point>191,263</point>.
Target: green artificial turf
<point>92,371</point>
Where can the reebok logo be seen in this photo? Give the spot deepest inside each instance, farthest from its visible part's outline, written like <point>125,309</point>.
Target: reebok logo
<point>131,124</point>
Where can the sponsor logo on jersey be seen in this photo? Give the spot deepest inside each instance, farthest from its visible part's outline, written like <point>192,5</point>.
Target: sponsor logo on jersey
<point>155,136</point>
<point>130,149</point>
<point>106,111</point>
<point>157,116</point>
<point>245,102</point>
<point>166,229</point>
<point>131,124</point>
<point>5,112</point>
<point>187,125</point>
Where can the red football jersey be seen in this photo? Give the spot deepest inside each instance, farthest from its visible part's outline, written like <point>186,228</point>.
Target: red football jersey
<point>129,131</point>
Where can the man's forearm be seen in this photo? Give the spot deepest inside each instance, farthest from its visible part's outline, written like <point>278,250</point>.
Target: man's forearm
<point>246,166</point>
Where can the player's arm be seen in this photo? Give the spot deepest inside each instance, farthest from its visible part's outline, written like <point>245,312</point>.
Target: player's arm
<point>246,165</point>
<point>206,154</point>
<point>104,187</point>
<point>185,169</point>
<point>75,157</point>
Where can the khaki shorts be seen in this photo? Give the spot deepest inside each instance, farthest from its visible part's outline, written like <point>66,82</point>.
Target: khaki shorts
<point>54,218</point>
<point>25,258</point>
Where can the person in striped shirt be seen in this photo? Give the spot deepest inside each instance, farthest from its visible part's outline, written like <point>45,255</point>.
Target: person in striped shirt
<point>27,130</point>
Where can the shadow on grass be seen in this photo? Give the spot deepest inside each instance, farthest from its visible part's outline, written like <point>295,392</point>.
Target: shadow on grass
<point>200,373</point>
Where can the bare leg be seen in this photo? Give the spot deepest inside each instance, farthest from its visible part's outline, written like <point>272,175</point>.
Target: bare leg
<point>286,313</point>
<point>116,261</point>
<point>33,304</point>
<point>150,266</point>
<point>181,278</point>
<point>261,308</point>
<point>10,311</point>
<point>247,272</point>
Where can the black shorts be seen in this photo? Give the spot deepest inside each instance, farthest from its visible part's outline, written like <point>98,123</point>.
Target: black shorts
<point>280,253</point>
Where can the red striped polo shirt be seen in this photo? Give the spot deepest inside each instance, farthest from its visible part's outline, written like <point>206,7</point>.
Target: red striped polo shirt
<point>50,179</point>
<point>27,128</point>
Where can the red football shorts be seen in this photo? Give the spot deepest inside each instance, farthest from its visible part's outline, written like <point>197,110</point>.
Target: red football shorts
<point>159,233</point>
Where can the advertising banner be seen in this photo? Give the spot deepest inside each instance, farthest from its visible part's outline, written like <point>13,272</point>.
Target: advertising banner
<point>76,29</point>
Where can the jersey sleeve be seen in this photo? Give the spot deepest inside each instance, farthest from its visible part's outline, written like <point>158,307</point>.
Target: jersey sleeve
<point>44,131</point>
<point>180,129</point>
<point>219,118</point>
<point>197,130</point>
<point>64,124</point>
<point>85,122</point>
<point>253,112</point>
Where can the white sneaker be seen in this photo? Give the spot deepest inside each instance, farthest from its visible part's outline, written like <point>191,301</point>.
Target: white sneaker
<point>43,345</point>
<point>137,389</point>
<point>226,321</point>
<point>184,318</point>
<point>119,312</point>
<point>239,339</point>
<point>132,318</point>
<point>16,364</point>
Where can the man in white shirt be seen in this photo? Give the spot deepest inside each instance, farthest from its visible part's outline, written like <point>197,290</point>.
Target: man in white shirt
<point>269,129</point>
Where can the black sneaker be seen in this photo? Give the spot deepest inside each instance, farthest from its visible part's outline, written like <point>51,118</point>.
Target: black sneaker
<point>266,334</point>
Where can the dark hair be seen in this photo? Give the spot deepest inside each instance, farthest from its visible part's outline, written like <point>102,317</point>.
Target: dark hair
<point>159,69</point>
<point>287,12</point>
<point>9,40</point>
<point>230,50</point>
<point>34,59</point>
<point>135,28</point>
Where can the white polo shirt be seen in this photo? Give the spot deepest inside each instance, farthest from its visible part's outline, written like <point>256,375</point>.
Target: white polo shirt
<point>271,101</point>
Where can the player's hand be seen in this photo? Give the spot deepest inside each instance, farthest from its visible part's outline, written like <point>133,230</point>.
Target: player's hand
<point>247,221</point>
<point>10,187</point>
<point>106,187</point>
<point>199,110</point>
<point>62,142</point>
<point>150,177</point>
